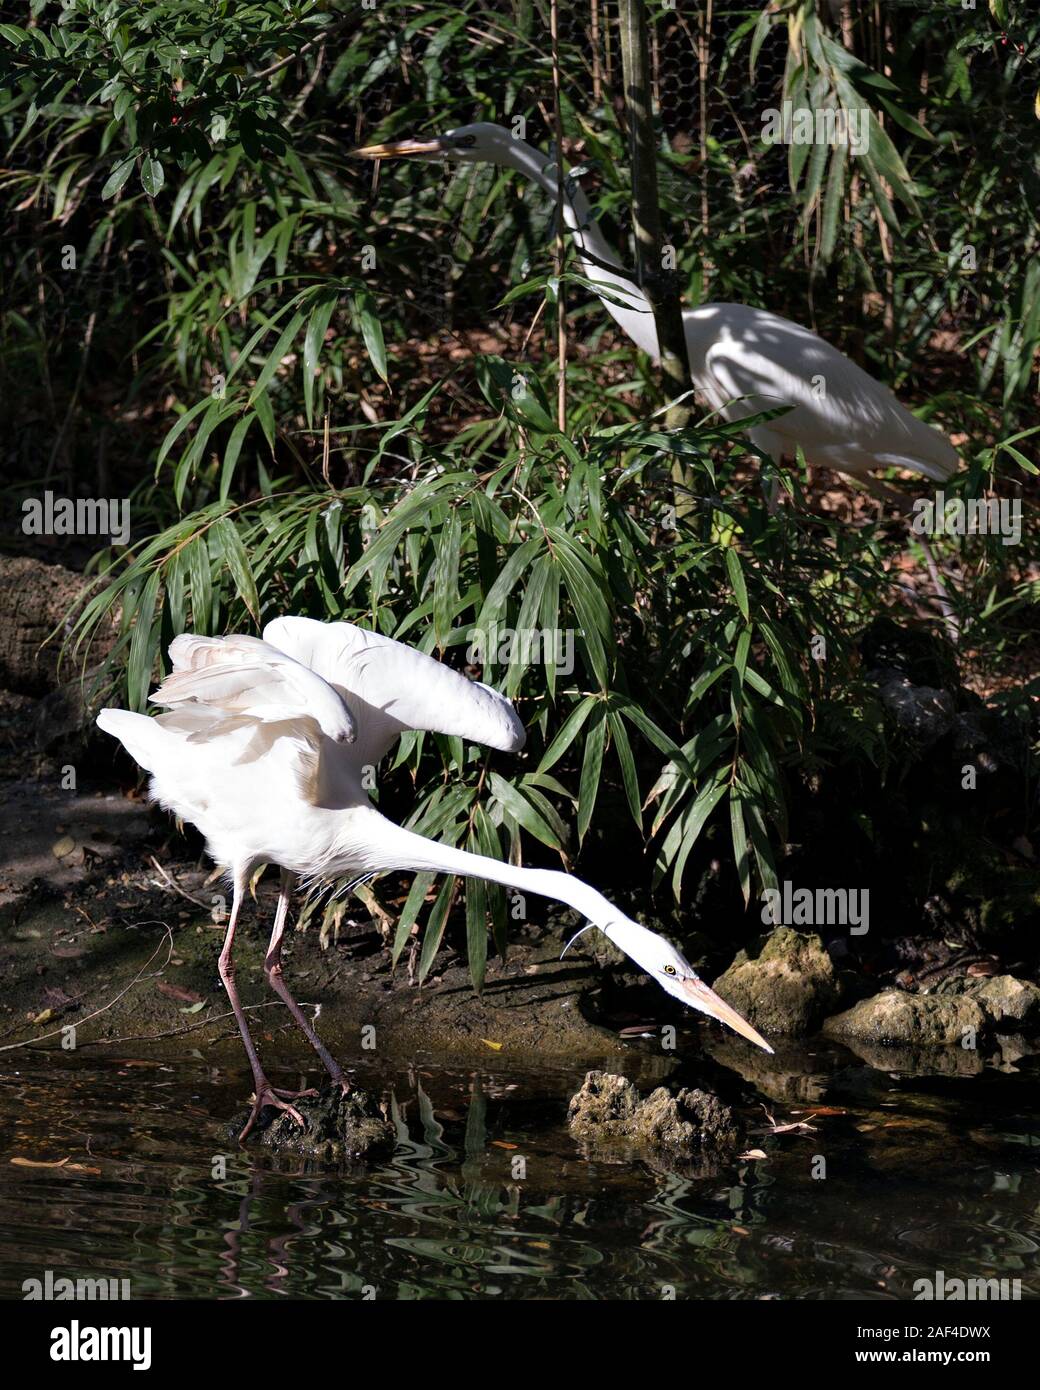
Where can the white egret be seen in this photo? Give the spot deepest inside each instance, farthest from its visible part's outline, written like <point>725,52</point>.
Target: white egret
<point>742,360</point>
<point>281,790</point>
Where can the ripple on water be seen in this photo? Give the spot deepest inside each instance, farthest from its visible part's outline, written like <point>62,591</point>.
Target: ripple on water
<point>918,1176</point>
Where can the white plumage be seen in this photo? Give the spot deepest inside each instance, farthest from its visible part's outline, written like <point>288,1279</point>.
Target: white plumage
<point>246,761</point>
<point>742,360</point>
<point>245,677</point>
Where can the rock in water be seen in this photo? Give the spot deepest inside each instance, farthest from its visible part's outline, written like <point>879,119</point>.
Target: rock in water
<point>912,1020</point>
<point>691,1126</point>
<point>1001,1004</point>
<point>337,1129</point>
<point>1011,1004</point>
<point>788,988</point>
<point>604,1107</point>
<point>689,1121</point>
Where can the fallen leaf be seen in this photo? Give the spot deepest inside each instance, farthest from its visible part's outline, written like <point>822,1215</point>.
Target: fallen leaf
<point>62,1163</point>
<point>68,952</point>
<point>194,1008</point>
<point>497,1047</point>
<point>44,1016</point>
<point>501,1144</point>
<point>754,1153</point>
<point>63,847</point>
<point>183,996</point>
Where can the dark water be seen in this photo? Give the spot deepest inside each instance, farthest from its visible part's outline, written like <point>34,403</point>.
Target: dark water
<point>922,1173</point>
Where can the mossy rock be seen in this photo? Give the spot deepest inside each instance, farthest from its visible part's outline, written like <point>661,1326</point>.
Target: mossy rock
<point>787,988</point>
<point>608,1111</point>
<point>336,1129</point>
<point>895,1017</point>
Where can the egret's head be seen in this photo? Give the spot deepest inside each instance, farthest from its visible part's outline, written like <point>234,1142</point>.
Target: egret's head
<point>476,144</point>
<point>673,972</point>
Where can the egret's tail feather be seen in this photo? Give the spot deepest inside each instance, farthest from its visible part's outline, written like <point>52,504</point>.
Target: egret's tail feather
<point>938,469</point>
<point>141,736</point>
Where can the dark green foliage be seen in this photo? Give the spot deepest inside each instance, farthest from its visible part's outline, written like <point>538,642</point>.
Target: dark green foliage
<point>252,329</point>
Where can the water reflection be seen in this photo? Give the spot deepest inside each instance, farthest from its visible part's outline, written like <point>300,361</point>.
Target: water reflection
<point>486,1195</point>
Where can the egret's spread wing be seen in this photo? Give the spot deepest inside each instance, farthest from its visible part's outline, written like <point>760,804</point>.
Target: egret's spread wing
<point>195,747</point>
<point>391,687</point>
<point>841,416</point>
<point>245,677</point>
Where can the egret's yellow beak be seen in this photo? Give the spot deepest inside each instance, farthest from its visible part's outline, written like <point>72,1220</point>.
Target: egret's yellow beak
<point>705,999</point>
<point>400,149</point>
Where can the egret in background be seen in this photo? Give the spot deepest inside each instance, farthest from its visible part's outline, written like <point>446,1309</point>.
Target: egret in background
<point>251,753</point>
<point>741,360</point>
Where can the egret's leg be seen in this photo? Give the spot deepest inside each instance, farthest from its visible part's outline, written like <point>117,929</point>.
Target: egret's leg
<point>273,971</point>
<point>263,1092</point>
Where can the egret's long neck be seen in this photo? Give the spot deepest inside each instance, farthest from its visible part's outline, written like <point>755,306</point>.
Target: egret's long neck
<point>636,319</point>
<point>389,846</point>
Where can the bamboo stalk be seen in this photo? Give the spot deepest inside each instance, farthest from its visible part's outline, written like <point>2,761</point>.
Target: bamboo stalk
<point>597,80</point>
<point>560,249</point>
<point>657,283</point>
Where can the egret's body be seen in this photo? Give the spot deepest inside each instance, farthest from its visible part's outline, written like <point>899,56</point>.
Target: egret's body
<point>742,360</point>
<point>283,791</point>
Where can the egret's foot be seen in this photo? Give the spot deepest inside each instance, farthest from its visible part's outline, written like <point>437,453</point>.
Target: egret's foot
<point>268,1095</point>
<point>293,1095</point>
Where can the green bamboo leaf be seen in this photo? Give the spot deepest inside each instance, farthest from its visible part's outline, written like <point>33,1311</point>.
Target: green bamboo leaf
<point>736,579</point>
<point>234,553</point>
<point>435,925</point>
<point>175,432</point>
<point>488,843</point>
<point>522,811</point>
<point>832,201</point>
<point>274,361</point>
<point>476,931</point>
<point>200,578</point>
<point>312,346</point>
<point>446,577</point>
<point>740,843</point>
<point>591,769</point>
<point>144,644</point>
<point>231,453</point>
<point>740,657</point>
<point>371,330</point>
<point>690,826</point>
<point>571,727</point>
<point>413,903</point>
<point>629,780</point>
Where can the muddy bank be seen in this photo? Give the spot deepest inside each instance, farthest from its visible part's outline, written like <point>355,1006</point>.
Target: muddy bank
<point>126,964</point>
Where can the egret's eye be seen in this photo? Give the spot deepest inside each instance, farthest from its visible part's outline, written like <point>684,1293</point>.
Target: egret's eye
<point>669,970</point>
